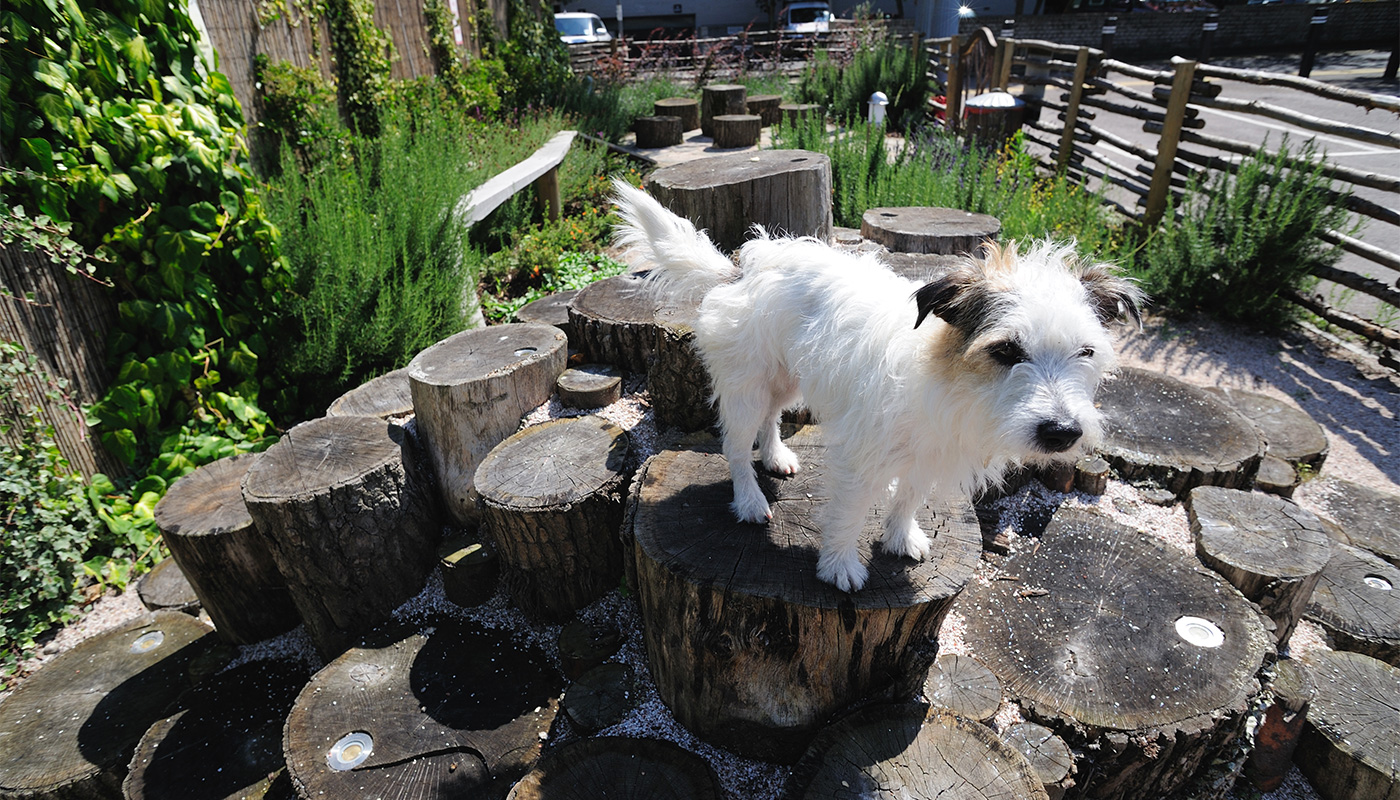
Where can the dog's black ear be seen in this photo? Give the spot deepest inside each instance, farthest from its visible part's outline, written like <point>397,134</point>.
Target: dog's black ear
<point>1111,295</point>
<point>958,298</point>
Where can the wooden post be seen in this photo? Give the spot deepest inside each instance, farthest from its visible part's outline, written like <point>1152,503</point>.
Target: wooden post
<point>953,98</point>
<point>1076,93</point>
<point>547,194</point>
<point>1166,147</point>
<point>1006,49</point>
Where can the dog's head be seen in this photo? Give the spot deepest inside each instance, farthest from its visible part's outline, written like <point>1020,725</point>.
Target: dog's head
<point>1025,332</point>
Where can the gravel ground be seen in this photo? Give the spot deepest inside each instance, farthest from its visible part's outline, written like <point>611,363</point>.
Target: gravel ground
<point>1355,400</point>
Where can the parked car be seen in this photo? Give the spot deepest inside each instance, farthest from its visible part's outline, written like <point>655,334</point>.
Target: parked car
<point>576,27</point>
<point>805,16</point>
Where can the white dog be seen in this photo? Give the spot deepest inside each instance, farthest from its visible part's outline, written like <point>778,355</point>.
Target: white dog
<point>919,389</point>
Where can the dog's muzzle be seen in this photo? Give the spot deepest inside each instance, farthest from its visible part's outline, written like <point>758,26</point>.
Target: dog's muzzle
<point>1057,437</point>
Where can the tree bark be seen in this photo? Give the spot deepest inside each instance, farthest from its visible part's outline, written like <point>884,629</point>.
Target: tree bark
<point>1350,738</point>
<point>1358,603</point>
<point>589,386</point>
<point>719,99</point>
<point>964,686</point>
<point>551,310</point>
<point>1050,757</point>
<point>614,320</point>
<point>387,396</point>
<point>686,108</point>
<point>658,131</point>
<point>678,382</point>
<point>938,231</point>
<point>765,107</point>
<point>1294,437</point>
<point>1277,737</point>
<point>583,646</point>
<point>470,570</point>
<point>620,769</point>
<point>736,130</point>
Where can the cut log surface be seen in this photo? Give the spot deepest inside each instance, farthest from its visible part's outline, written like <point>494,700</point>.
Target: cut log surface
<point>719,99</point>
<point>741,636</point>
<point>601,697</point>
<point>1091,639</point>
<point>785,191</point>
<point>165,587</point>
<point>1350,748</point>
<point>583,646</point>
<point>451,711</point>
<point>387,397</point>
<point>70,729</point>
<point>1161,431</point>
<point>765,107</point>
<point>470,391</point>
<point>614,321</point>
<point>922,267</point>
<point>688,109</point>
<point>944,231</point>
<point>553,310</point>
<point>736,130</point>
<point>658,131</point>
<point>678,382</point>
<point>1367,516</point>
<point>225,742</point>
<point>1357,601</point>
<point>589,386</point>
<point>1269,548</point>
<point>552,505</point>
<point>620,769</point>
<point>1048,754</point>
<point>350,524</point>
<point>204,521</point>
<point>964,686</point>
<point>1293,435</point>
<point>910,751</point>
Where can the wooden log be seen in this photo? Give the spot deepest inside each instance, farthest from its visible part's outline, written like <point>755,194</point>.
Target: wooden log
<point>583,646</point>
<point>795,113</point>
<point>449,711</point>
<point>1091,475</point>
<point>469,568</point>
<point>1161,431</point>
<point>921,267</point>
<point>1048,754</point>
<point>614,320</point>
<point>1293,436</point>
<point>225,742</point>
<point>620,769</point>
<point>688,109</point>
<point>765,107</point>
<point>68,732</point>
<point>944,231</point>
<point>1265,546</point>
<point>552,499</point>
<point>1350,738</point>
<point>1365,515</point>
<point>600,698</point>
<point>589,386</point>
<point>741,636</point>
<point>205,523</point>
<point>736,130</point>
<point>910,750</point>
<point>658,131</point>
<point>964,686</point>
<point>387,397</point>
<point>1276,738</point>
<point>551,310</point>
<point>1357,603</point>
<point>719,99</point>
<point>470,391</point>
<point>350,524</point>
<point>165,587</point>
<point>786,191</point>
<point>1109,667</point>
<point>678,383</point>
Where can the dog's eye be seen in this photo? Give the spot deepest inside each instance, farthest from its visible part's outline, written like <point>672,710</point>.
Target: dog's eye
<point>1008,354</point>
<point>1087,352</point>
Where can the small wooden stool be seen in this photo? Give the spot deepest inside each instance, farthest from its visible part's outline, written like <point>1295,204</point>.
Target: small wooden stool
<point>736,130</point>
<point>720,99</point>
<point>658,131</point>
<point>684,107</point>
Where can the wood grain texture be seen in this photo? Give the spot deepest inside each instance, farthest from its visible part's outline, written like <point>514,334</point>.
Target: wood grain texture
<point>765,107</point>
<point>1047,753</point>
<point>166,588</point>
<point>748,648</point>
<point>688,109</point>
<point>678,382</point>
<point>620,769</point>
<point>614,321</point>
<point>658,131</point>
<point>1277,736</point>
<point>385,397</point>
<point>553,310</point>
<point>1367,516</point>
<point>718,99</point>
<point>964,686</point>
<point>589,386</point>
<point>941,231</point>
<point>1357,601</point>
<point>1293,435</point>
<point>1350,748</point>
<point>736,130</point>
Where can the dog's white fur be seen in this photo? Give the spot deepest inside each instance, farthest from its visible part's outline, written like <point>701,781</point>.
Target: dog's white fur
<point>919,390</point>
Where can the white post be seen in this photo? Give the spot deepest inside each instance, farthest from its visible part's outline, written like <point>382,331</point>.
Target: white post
<point>876,106</point>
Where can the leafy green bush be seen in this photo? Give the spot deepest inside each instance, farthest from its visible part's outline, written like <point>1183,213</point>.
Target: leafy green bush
<point>894,68</point>
<point>570,270</point>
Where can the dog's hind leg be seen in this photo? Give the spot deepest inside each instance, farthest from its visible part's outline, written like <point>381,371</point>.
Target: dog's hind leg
<point>903,536</point>
<point>742,417</point>
<point>777,458</point>
<point>842,520</point>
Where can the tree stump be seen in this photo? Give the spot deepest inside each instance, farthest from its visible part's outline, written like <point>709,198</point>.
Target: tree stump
<point>736,130</point>
<point>786,191</point>
<point>964,686</point>
<point>225,742</point>
<point>351,528</point>
<point>1161,431</point>
<point>749,649</point>
<point>620,769</point>
<point>589,386</point>
<point>1141,660</point>
<point>1367,516</point>
<point>678,383</point>
<point>1048,754</point>
<point>205,523</point>
<point>688,109</point>
<point>452,711</point>
<point>552,504</point>
<point>794,113</point>
<point>614,320</point>
<point>658,131</point>
<point>940,231</point>
<point>551,310</point>
<point>386,397</point>
<point>165,588</point>
<point>600,698</point>
<point>469,569</point>
<point>1265,546</point>
<point>1294,437</point>
<point>1350,740</point>
<point>583,646</point>
<point>1277,737</point>
<point>1357,601</point>
<point>69,730</point>
<point>765,107</point>
<point>921,267</point>
<point>719,99</point>
<point>1091,475</point>
<point>470,391</point>
<point>911,751</point>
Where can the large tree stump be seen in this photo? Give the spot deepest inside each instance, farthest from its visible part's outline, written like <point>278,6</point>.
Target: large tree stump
<point>688,109</point>
<point>911,751</point>
<point>69,730</point>
<point>785,191</point>
<point>658,131</point>
<point>678,383</point>
<point>614,322</point>
<point>736,130</point>
<point>225,742</point>
<point>1357,601</point>
<point>620,769</point>
<point>748,648</point>
<point>1350,741</point>
<point>1161,431</point>
<point>552,504</point>
<point>1142,661</point>
<point>470,391</point>
<point>551,310</point>
<point>205,523</point>
<point>941,231</point>
<point>1366,516</point>
<point>719,99</point>
<point>1048,754</point>
<point>387,396</point>
<point>964,686</point>
<point>165,588</point>
<point>765,107</point>
<point>1265,546</point>
<point>1276,738</point>
<point>1297,444</point>
<point>351,527</point>
<point>451,711</point>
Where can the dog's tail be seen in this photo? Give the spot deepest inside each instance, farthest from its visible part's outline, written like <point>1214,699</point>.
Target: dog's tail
<point>682,261</point>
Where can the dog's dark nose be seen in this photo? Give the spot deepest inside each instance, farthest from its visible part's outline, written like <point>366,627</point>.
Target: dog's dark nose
<point>1057,437</point>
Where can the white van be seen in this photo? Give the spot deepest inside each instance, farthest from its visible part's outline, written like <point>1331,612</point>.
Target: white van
<point>577,27</point>
<point>805,16</point>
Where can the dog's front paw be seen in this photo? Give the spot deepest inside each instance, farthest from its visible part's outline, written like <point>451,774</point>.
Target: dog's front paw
<point>906,539</point>
<point>751,507</point>
<point>842,569</point>
<point>781,461</point>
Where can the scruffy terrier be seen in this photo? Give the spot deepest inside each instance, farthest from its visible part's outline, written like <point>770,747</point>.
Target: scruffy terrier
<point>925,389</point>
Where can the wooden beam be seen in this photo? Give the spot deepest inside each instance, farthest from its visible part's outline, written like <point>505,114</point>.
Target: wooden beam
<point>481,201</point>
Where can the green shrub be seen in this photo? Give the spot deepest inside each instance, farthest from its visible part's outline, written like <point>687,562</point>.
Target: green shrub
<point>900,71</point>
<point>571,270</point>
